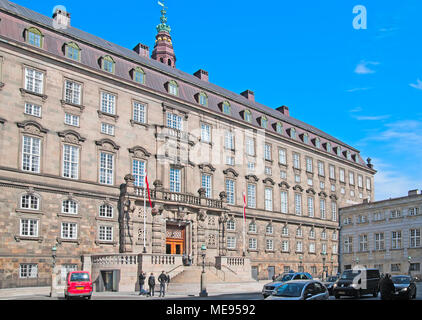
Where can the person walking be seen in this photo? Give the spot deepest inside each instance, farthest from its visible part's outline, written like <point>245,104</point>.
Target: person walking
<point>141,279</point>
<point>151,284</point>
<point>168,281</point>
<point>387,287</point>
<point>163,280</point>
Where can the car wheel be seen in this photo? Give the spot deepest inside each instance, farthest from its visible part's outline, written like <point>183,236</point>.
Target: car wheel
<point>358,294</point>
<point>337,296</point>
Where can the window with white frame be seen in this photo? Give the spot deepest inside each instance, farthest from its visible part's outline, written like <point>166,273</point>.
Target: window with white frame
<point>379,241</point>
<point>334,211</point>
<point>31,154</point>
<point>322,209</point>
<point>299,246</point>
<point>69,231</point>
<point>251,196</point>
<point>230,191</point>
<point>106,168</point>
<point>297,178</point>
<point>252,243</point>
<point>269,244</point>
<point>229,140</point>
<point>284,202</point>
<point>30,202</point>
<point>230,161</point>
<point>298,204</point>
<point>28,228</point>
<point>296,160</point>
<point>309,165</point>
<point>69,207</point>
<point>311,211</point>
<point>285,231</point>
<point>105,233</point>
<point>70,161</point>
<point>106,211</point>
<point>351,178</point>
<point>299,232</point>
<point>139,112</point>
<point>231,225</point>
<point>285,246</point>
<point>207,185</point>
<point>282,159</point>
<point>268,199</point>
<point>28,271</point>
<point>413,211</point>
<point>368,183</point>
<point>269,229</point>
<point>322,184</point>
<point>205,132</point>
<point>332,172</point>
<point>334,248</point>
<point>173,88</point>
<point>250,146</point>
<point>174,121</point>
<point>360,181</point>
<point>231,242</point>
<point>335,235</point>
<point>32,110</point>
<point>363,242</point>
<point>175,180</point>
<point>251,166</point>
<point>34,80</point>
<point>342,175</point>
<point>252,227</point>
<point>71,119</point>
<point>310,182</point>
<point>312,247</point>
<point>108,103</point>
<point>267,152</point>
<point>324,248</point>
<point>65,269</point>
<point>396,240</point>
<point>321,169</point>
<point>348,244</point>
<point>324,235</point>
<point>138,172</point>
<point>72,92</point>
<point>415,238</point>
<point>283,174</point>
<point>395,214</point>
<point>312,233</point>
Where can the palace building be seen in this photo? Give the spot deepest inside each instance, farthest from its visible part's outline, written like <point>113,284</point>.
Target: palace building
<point>83,119</point>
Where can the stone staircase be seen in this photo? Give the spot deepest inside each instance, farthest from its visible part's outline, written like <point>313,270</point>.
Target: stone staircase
<point>192,274</point>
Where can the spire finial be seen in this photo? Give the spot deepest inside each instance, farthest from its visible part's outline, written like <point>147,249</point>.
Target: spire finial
<point>163,26</point>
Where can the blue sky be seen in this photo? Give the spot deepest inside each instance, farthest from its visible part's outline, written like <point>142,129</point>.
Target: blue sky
<point>362,86</point>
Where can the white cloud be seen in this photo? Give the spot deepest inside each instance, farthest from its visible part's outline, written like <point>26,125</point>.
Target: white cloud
<point>372,118</point>
<point>418,85</point>
<point>357,89</point>
<point>393,184</point>
<point>363,67</point>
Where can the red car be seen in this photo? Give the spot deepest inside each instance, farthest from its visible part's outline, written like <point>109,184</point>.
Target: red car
<point>78,284</point>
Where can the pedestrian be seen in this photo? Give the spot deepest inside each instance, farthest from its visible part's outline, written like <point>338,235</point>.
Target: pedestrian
<point>151,284</point>
<point>142,278</point>
<point>163,280</point>
<point>168,281</point>
<point>387,287</point>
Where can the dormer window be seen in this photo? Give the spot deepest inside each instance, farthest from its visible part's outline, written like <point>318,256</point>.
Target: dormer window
<point>226,108</point>
<point>338,151</point>
<point>34,37</point>
<point>108,64</point>
<point>247,116</point>
<point>173,88</point>
<point>264,122</point>
<point>73,51</point>
<point>203,99</point>
<point>348,155</point>
<point>317,143</point>
<point>293,133</point>
<point>305,138</point>
<point>279,128</point>
<point>328,147</point>
<point>138,75</point>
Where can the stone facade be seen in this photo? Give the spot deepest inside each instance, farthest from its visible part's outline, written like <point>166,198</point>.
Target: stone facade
<point>108,218</point>
<point>383,234</point>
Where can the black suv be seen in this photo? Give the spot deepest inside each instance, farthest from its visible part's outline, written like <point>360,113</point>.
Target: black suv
<point>356,282</point>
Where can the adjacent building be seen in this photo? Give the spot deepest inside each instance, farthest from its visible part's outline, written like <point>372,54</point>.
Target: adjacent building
<point>83,120</point>
<point>383,234</point>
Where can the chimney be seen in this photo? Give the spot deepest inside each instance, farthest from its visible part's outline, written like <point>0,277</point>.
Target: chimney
<point>248,94</point>
<point>413,192</point>
<point>61,18</point>
<point>284,110</point>
<point>202,74</point>
<point>142,50</point>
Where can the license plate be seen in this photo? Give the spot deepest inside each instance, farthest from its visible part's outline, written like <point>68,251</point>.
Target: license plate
<point>80,288</point>
<point>342,292</point>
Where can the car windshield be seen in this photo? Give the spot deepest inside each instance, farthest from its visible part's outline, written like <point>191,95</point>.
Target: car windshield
<point>284,277</point>
<point>332,279</point>
<point>290,290</point>
<point>79,277</point>
<point>400,280</point>
<point>349,274</point>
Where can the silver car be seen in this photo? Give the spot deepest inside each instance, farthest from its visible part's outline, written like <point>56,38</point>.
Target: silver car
<point>300,290</point>
<point>269,288</point>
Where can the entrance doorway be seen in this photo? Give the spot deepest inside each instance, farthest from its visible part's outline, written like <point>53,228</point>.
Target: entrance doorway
<point>271,272</point>
<point>175,241</point>
<point>109,281</point>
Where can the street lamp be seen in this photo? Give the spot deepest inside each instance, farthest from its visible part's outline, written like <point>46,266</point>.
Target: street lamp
<point>203,292</point>
<point>53,273</point>
<point>332,265</point>
<point>300,261</point>
<point>409,259</point>
<point>324,254</point>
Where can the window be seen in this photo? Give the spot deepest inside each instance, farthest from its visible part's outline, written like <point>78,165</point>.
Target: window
<point>413,211</point>
<point>334,211</point>
<point>363,243</point>
<point>34,37</point>
<point>282,156</point>
<point>269,229</point>
<point>175,180</point>
<point>318,143</point>
<point>247,116</point>
<point>71,120</point>
<point>322,184</point>
<point>299,232</point>
<point>138,172</point>
<point>268,171</point>
<point>250,146</point>
<point>108,103</point>
<point>297,178</point>
<point>285,246</point>
<point>415,267</point>
<point>29,228</point>
<point>226,108</point>
<point>284,203</point>
<point>299,246</point>
<point>335,236</point>
<point>347,221</point>
<point>31,154</point>
<point>108,64</point>
<point>69,207</point>
<point>264,122</point>
<point>298,204</point>
<point>73,51</point>
<point>207,185</point>
<point>310,207</point>
<point>322,209</point>
<point>306,138</point>
<point>351,178</point>
<point>231,242</point>
<point>174,121</point>
<point>270,244</point>
<point>309,165</point>
<point>231,225</point>
<point>106,211</point>
<point>415,238</point>
<point>296,160</point>
<point>252,244</point>
<point>65,269</point>
<point>395,267</point>
<point>396,240</point>
<point>203,99</point>
<point>268,199</point>
<point>321,169</point>
<point>27,270</point>
<point>368,183</point>
<point>69,231</point>
<point>139,75</point>
<point>395,214</point>
<point>283,174</point>
<point>267,152</point>
<point>34,81</point>
<point>72,92</point>
<point>30,202</point>
<point>285,231</point>
<point>310,182</point>
<point>348,155</point>
<point>324,248</point>
<point>139,112</point>
<point>252,227</point>
<point>379,241</point>
<point>32,110</point>
<point>205,132</point>
<point>251,196</point>
<point>324,235</point>
<point>312,233</point>
<point>230,191</point>
<point>228,140</point>
<point>332,172</point>
<point>348,245</point>
<point>360,181</point>
<point>378,216</point>
<point>293,133</point>
<point>328,147</point>
<point>279,128</point>
<point>106,168</point>
<point>106,233</point>
<point>230,161</point>
<point>251,167</point>
<point>334,248</point>
<point>107,128</point>
<point>342,175</point>
<point>173,88</point>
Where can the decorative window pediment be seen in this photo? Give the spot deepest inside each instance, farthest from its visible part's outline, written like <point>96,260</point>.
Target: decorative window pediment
<point>268,181</point>
<point>107,144</point>
<point>108,64</point>
<point>322,194</point>
<point>32,127</point>
<point>284,185</point>
<point>72,51</point>
<point>311,190</point>
<point>34,37</point>
<point>139,152</point>
<point>225,107</point>
<point>206,167</point>
<point>231,172</point>
<point>252,177</point>
<point>138,75</point>
<point>298,188</point>
<point>71,136</point>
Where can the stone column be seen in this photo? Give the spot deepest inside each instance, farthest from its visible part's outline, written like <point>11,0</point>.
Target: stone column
<point>127,208</point>
<point>157,231</point>
<point>202,215</point>
<point>222,233</point>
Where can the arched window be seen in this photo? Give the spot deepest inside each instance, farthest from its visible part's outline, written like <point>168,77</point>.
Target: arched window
<point>269,229</point>
<point>328,147</point>
<point>247,116</point>
<point>279,128</point>
<point>293,133</point>
<point>30,202</point>
<point>34,37</point>
<point>318,143</point>
<point>348,155</point>
<point>299,232</point>
<point>203,99</point>
<point>72,51</point>
<point>226,108</point>
<point>264,122</point>
<point>173,88</point>
<point>139,75</point>
<point>69,206</point>
<point>305,138</point>
<point>169,62</point>
<point>108,64</point>
<point>285,231</point>
<point>338,151</point>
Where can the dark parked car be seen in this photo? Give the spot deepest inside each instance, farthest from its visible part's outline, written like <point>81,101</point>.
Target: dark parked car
<point>357,282</point>
<point>329,283</point>
<point>269,288</point>
<point>404,287</point>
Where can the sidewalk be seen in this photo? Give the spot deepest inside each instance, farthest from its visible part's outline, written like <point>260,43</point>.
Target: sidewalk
<point>175,290</point>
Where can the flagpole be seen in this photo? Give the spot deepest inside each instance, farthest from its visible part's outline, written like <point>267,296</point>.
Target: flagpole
<point>244,223</point>
<point>145,208</point>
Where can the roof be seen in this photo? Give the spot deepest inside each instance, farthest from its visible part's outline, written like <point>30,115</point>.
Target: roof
<point>176,73</point>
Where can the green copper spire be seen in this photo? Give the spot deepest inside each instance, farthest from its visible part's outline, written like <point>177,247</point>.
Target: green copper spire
<point>163,25</point>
